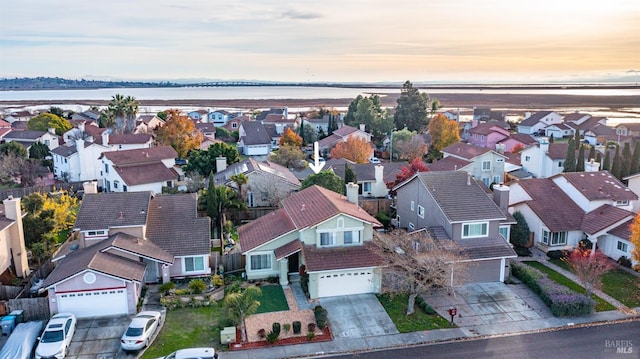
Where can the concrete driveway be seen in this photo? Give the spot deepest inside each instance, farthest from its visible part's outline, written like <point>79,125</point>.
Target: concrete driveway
<point>98,338</point>
<point>357,316</point>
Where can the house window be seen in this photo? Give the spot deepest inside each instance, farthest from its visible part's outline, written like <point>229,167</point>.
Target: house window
<point>234,125</point>
<point>124,188</point>
<point>496,179</point>
<point>411,226</point>
<point>115,184</point>
<point>471,230</point>
<point>328,239</point>
<point>352,237</point>
<point>560,163</point>
<point>420,211</point>
<point>487,181</point>
<point>486,165</point>
<point>554,238</point>
<point>622,246</point>
<point>412,206</point>
<point>366,187</point>
<point>106,168</point>
<point>622,203</point>
<point>65,160</point>
<point>193,264</point>
<point>340,222</point>
<point>261,261</point>
<point>504,231</point>
<point>527,158</point>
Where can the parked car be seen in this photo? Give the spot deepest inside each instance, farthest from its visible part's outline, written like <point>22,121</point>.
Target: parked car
<point>138,334</point>
<point>193,353</point>
<point>21,341</point>
<point>56,337</point>
<point>374,160</point>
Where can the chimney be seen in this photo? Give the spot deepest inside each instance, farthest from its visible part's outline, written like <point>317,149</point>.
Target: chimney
<point>18,250</point>
<point>79,147</point>
<point>362,127</point>
<point>527,115</point>
<point>352,192</point>
<point>592,166</point>
<point>52,130</point>
<point>468,179</point>
<point>221,164</point>
<point>501,196</point>
<point>81,126</point>
<point>90,187</point>
<point>544,144</point>
<point>379,187</point>
<point>105,138</point>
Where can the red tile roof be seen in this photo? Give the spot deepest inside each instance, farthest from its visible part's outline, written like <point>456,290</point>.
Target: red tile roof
<point>288,249</point>
<point>323,259</point>
<point>465,150</point>
<point>599,186</point>
<point>141,155</point>
<point>146,173</point>
<point>558,151</point>
<point>448,164</point>
<point>554,207</point>
<point>603,217</point>
<point>264,229</point>
<point>622,231</point>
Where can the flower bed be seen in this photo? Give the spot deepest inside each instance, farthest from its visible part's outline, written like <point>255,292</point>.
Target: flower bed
<point>192,300</point>
<point>563,301</point>
<point>324,337</point>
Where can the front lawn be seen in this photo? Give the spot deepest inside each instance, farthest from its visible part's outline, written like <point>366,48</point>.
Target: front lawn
<point>272,300</point>
<point>396,307</point>
<point>188,327</point>
<point>601,304</point>
<point>623,286</point>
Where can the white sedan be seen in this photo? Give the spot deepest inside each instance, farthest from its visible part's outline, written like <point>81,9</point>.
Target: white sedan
<point>56,337</point>
<point>139,332</point>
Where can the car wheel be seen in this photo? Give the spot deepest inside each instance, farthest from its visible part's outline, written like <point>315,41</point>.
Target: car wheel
<point>146,343</point>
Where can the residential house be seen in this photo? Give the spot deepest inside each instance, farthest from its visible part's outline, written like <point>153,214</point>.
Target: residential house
<point>126,240</point>
<point>341,135</point>
<point>254,139</point>
<point>18,116</point>
<point>559,130</point>
<point>219,117</point>
<point>515,140</point>
<point>628,129</point>
<point>451,114</point>
<point>485,163</point>
<point>28,138</point>
<point>127,141</point>
<point>533,123</point>
<point>602,135</point>
<point>13,253</point>
<point>272,131</point>
<point>147,169</point>
<point>283,112</point>
<point>544,159</point>
<point>371,178</point>
<point>280,122</point>
<point>327,233</point>
<point>321,125</point>
<point>563,210</point>
<point>88,116</point>
<point>234,123</point>
<point>83,130</point>
<point>267,182</point>
<point>199,116</point>
<point>453,206</point>
<point>148,123</point>
<point>207,129</point>
<point>487,135</point>
<point>584,123</point>
<point>633,183</point>
<point>78,161</point>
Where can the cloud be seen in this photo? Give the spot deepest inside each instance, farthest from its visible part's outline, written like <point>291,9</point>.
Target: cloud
<point>299,15</point>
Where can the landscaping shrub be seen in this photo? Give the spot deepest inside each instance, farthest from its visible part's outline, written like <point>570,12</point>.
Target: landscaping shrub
<point>624,261</point>
<point>286,327</point>
<point>297,327</point>
<point>522,251</point>
<point>275,327</point>
<point>272,337</point>
<point>167,287</point>
<point>563,301</point>
<point>217,280</point>
<point>262,333</point>
<point>321,316</point>
<point>197,286</point>
<point>311,327</point>
<point>428,309</point>
<point>311,335</point>
<point>384,219</point>
<point>304,283</point>
<point>556,254</point>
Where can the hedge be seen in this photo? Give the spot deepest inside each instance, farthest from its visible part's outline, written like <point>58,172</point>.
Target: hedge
<point>563,301</point>
<point>321,316</point>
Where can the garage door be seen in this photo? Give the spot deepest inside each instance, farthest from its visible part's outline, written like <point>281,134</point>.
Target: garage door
<point>345,283</point>
<point>94,304</point>
<point>484,271</point>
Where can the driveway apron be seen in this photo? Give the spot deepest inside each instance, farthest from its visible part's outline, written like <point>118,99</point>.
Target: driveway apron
<point>357,316</point>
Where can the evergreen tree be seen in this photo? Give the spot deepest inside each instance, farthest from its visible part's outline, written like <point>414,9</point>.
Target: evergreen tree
<point>577,138</point>
<point>580,163</point>
<point>599,158</point>
<point>333,124</point>
<point>592,153</point>
<point>570,161</point>
<point>412,109</point>
<point>551,138</point>
<point>349,175</point>
<point>520,231</point>
<point>301,132</point>
<point>616,166</point>
<point>635,159</point>
<point>606,162</point>
<point>625,169</point>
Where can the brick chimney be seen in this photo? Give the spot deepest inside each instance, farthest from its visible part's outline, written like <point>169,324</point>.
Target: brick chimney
<point>501,196</point>
<point>221,164</point>
<point>352,192</point>
<point>18,250</point>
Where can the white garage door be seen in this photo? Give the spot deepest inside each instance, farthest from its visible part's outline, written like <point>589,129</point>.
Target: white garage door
<point>345,283</point>
<point>94,304</point>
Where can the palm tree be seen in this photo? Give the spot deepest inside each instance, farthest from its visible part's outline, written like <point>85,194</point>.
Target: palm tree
<point>240,180</point>
<point>131,110</point>
<point>242,304</point>
<point>117,111</point>
<point>221,199</point>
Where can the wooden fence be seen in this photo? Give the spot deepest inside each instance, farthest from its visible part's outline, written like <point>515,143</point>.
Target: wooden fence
<point>232,262</point>
<point>9,291</point>
<point>22,192</point>
<point>34,308</point>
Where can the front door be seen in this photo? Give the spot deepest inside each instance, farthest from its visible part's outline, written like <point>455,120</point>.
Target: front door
<point>294,263</point>
<point>151,273</point>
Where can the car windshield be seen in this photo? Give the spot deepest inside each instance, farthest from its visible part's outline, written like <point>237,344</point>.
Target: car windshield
<point>134,332</point>
<point>52,336</point>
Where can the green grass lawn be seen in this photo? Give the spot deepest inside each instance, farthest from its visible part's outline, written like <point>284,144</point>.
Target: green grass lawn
<point>617,283</point>
<point>601,304</point>
<point>188,327</point>
<point>396,307</point>
<point>272,300</point>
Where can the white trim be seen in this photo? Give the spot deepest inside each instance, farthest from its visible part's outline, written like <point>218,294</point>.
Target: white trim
<point>262,253</point>
<point>95,272</point>
<point>484,235</point>
<point>343,269</point>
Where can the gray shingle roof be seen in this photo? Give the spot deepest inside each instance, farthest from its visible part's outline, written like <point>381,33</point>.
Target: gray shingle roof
<point>255,132</point>
<point>114,209</point>
<point>459,197</point>
<point>174,225</point>
<point>25,135</point>
<point>534,118</point>
<point>486,248</point>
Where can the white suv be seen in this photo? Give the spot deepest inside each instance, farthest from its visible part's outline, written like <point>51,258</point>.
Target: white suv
<point>193,353</point>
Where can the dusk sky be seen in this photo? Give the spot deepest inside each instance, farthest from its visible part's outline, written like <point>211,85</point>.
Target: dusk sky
<point>328,40</point>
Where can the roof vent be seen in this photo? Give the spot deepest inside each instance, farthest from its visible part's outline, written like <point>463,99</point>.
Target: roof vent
<point>121,215</point>
<point>304,206</point>
<point>142,211</point>
<point>74,246</point>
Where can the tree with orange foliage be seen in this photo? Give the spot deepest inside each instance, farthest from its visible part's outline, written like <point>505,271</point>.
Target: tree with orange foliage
<point>635,240</point>
<point>355,149</point>
<point>290,138</point>
<point>415,166</point>
<point>179,132</point>
<point>588,267</point>
<point>444,132</point>
<point>517,148</point>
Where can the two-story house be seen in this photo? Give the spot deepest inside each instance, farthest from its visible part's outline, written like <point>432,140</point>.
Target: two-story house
<point>28,138</point>
<point>514,141</point>
<point>254,139</point>
<point>13,253</point>
<point>146,169</point>
<point>219,117</point>
<point>487,134</point>
<point>341,135</point>
<point>533,123</point>
<point>482,163</point>
<point>324,231</point>
<point>79,161</point>
<point>453,206</point>
<point>371,178</point>
<point>544,159</point>
<point>125,240</point>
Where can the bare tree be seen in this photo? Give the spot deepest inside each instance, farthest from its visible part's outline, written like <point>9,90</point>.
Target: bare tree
<point>417,263</point>
<point>589,267</point>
